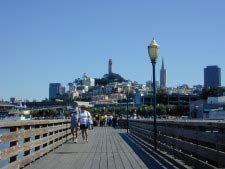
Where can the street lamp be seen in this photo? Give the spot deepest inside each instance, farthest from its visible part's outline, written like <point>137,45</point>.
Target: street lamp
<point>127,95</point>
<point>153,51</point>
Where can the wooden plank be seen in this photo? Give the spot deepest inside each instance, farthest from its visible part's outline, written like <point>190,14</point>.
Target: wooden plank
<point>106,148</point>
<point>170,134</point>
<point>133,161</point>
<point>200,151</point>
<point>81,160</point>
<point>96,161</point>
<point>20,134</point>
<point>118,161</point>
<point>5,124</point>
<point>125,161</point>
<point>103,160</point>
<point>123,151</point>
<point>111,161</point>
<point>12,151</point>
<point>14,165</point>
<point>214,138</point>
<point>89,161</point>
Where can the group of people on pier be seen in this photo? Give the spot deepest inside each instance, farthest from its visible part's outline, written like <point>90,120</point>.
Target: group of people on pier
<point>80,120</point>
<point>106,120</point>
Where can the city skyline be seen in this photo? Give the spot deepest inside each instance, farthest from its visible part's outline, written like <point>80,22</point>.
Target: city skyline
<point>50,41</point>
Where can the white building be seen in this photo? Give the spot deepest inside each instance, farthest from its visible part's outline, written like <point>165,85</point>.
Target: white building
<point>117,96</point>
<point>212,108</point>
<point>100,98</point>
<point>88,81</point>
<point>214,114</point>
<point>75,94</point>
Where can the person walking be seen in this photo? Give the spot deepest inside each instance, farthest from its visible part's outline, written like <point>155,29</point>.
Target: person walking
<point>84,120</point>
<point>74,121</point>
<point>106,120</point>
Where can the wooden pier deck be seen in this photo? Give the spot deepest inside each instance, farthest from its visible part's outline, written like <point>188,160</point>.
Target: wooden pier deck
<point>108,148</point>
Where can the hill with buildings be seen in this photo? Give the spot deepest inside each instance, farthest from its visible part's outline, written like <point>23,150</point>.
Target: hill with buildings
<point>108,78</point>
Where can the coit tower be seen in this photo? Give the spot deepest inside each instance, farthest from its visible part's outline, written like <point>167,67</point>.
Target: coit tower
<point>110,66</point>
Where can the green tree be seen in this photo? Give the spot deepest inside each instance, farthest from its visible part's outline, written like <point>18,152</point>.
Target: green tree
<point>162,95</point>
<point>212,92</point>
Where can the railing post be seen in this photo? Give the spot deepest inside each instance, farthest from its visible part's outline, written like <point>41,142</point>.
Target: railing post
<point>13,143</point>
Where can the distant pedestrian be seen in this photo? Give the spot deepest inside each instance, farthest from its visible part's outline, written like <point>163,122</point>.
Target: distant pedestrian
<point>74,121</point>
<point>101,119</point>
<point>97,121</point>
<point>115,122</point>
<point>91,126</point>
<point>84,120</point>
<point>106,120</point>
<point>110,118</point>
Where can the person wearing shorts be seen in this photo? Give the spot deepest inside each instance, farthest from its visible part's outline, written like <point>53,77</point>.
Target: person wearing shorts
<point>74,121</point>
<point>84,117</point>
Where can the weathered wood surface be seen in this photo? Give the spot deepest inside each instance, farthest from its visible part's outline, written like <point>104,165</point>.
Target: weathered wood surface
<point>29,140</point>
<point>107,148</point>
<point>197,142</point>
<point>6,124</point>
<point>13,136</point>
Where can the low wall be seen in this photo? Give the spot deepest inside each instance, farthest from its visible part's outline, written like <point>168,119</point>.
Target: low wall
<point>26,141</point>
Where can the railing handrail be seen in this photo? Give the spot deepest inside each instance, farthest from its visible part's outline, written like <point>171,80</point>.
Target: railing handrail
<point>32,138</point>
<point>196,142</point>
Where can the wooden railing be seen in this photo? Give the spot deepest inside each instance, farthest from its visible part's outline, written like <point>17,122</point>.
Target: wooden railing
<point>29,140</point>
<point>198,143</point>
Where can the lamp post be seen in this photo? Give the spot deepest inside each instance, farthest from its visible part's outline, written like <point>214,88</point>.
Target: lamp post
<point>127,93</point>
<point>153,51</point>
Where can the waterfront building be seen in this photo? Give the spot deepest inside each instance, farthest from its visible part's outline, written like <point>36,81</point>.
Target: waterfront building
<point>163,75</point>
<point>12,99</point>
<point>173,99</point>
<point>212,76</point>
<point>212,108</point>
<point>216,100</point>
<point>5,108</point>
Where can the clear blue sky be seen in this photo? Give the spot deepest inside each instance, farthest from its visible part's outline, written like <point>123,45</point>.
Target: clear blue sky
<point>45,41</point>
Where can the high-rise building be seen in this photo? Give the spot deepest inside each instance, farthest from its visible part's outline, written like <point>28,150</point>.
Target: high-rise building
<point>110,66</point>
<point>163,75</point>
<point>56,90</point>
<point>212,76</point>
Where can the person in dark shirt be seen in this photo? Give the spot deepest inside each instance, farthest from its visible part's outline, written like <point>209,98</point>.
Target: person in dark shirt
<point>74,121</point>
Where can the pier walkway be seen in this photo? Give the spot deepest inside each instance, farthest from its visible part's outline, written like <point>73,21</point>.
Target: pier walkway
<point>108,148</point>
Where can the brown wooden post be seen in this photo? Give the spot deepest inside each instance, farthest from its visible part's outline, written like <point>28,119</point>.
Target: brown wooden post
<point>37,137</point>
<point>28,139</point>
<point>13,143</point>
